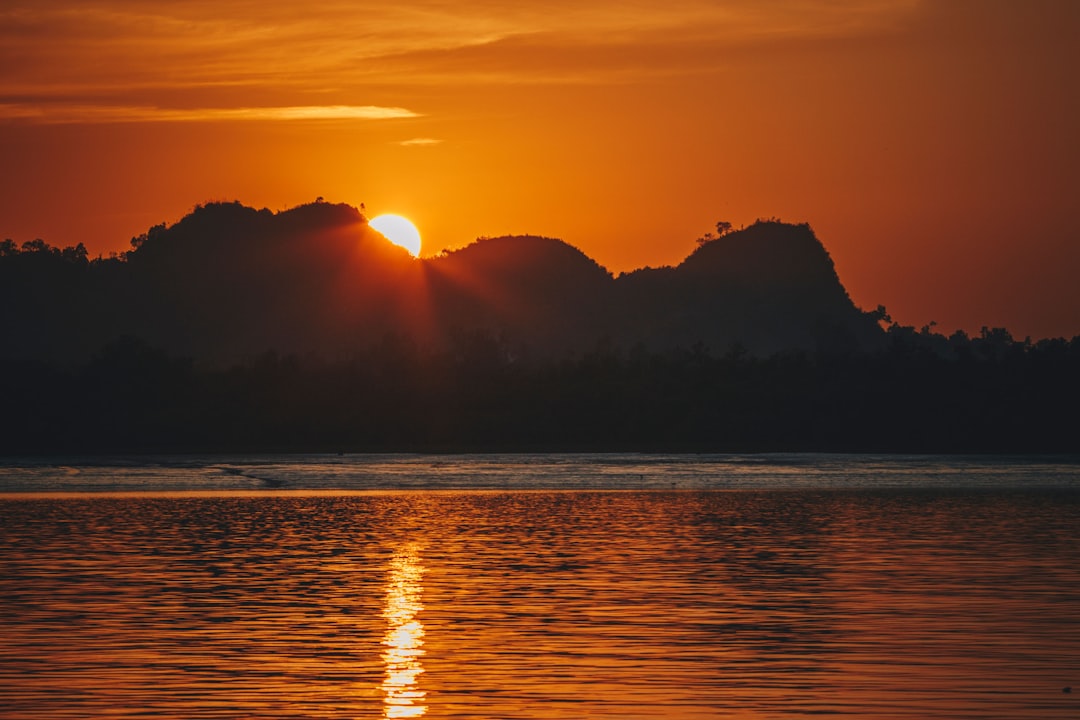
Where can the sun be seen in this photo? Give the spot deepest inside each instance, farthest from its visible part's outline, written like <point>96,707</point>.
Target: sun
<point>399,231</point>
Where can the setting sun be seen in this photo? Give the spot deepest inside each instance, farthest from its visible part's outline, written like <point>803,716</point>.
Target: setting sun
<point>399,231</point>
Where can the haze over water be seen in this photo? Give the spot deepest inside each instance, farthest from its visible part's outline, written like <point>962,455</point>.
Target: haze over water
<point>537,587</point>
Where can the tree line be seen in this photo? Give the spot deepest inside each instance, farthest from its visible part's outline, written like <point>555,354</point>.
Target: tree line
<point>922,393</point>
<point>515,343</point>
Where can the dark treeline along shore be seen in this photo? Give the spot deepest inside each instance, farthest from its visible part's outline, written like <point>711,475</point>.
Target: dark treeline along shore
<point>246,330</point>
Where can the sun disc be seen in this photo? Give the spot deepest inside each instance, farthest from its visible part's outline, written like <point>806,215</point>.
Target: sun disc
<point>398,230</point>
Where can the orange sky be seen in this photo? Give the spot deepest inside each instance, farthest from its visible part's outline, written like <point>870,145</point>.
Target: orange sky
<point>931,144</point>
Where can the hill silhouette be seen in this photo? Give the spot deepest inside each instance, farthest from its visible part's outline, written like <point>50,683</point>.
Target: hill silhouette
<point>768,288</point>
<point>228,282</point>
<point>239,329</point>
<point>535,295</point>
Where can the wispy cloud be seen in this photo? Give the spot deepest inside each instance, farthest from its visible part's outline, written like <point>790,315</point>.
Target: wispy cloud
<point>60,113</point>
<point>113,45</point>
<point>420,142</point>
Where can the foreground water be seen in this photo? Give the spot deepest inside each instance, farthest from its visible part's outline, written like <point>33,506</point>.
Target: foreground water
<point>540,587</point>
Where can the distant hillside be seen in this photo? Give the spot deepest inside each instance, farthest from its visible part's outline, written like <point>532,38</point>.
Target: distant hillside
<point>228,282</point>
<point>224,283</point>
<point>245,330</point>
<point>768,288</point>
<point>536,296</point>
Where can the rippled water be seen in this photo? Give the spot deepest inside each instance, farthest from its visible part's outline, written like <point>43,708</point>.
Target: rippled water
<point>881,599</point>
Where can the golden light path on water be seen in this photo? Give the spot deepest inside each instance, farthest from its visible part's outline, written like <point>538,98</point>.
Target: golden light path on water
<point>880,603</point>
<point>404,638</point>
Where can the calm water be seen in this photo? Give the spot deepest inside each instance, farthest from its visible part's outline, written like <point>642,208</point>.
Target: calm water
<point>539,587</point>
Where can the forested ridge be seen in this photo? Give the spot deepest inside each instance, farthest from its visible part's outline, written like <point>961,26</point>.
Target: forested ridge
<point>246,330</point>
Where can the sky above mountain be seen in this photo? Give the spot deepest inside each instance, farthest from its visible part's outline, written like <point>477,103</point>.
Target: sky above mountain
<point>931,145</point>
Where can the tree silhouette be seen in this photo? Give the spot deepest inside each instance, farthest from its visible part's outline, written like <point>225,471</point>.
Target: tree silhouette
<point>243,329</point>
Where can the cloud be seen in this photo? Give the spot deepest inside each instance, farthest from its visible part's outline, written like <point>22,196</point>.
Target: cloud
<point>49,47</point>
<point>420,142</point>
<point>60,114</point>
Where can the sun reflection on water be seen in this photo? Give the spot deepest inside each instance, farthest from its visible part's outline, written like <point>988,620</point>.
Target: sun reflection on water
<point>404,638</point>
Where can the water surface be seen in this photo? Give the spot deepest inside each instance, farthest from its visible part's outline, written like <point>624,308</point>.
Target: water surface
<point>188,473</point>
<point>814,593</point>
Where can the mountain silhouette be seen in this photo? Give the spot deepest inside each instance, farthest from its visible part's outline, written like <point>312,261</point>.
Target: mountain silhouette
<point>228,282</point>
<point>767,288</point>
<point>238,329</point>
<point>537,296</point>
